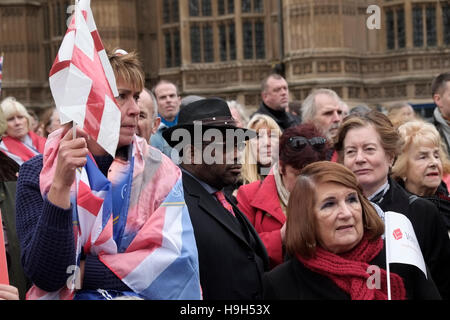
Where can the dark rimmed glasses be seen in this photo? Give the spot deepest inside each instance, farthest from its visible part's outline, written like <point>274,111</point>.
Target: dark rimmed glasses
<point>318,143</point>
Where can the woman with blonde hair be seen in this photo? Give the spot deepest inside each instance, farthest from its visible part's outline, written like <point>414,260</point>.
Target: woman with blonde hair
<point>422,164</point>
<point>260,153</point>
<point>19,142</point>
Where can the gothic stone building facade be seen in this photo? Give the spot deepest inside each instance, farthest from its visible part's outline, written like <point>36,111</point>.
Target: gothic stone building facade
<point>388,53</point>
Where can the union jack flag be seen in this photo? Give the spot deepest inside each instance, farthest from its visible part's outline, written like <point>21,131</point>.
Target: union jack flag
<point>150,245</point>
<point>82,81</point>
<point>1,67</point>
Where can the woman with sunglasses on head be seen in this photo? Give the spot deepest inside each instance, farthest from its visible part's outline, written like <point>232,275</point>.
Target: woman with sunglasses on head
<point>264,202</point>
<point>368,145</point>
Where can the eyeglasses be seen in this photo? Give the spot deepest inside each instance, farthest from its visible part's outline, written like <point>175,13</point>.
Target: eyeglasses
<point>318,143</point>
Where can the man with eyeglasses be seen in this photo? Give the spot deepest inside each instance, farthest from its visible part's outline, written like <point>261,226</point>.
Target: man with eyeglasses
<point>232,257</point>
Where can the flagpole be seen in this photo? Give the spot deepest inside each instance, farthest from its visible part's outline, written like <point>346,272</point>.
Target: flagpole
<point>74,125</point>
<point>74,130</point>
<point>386,241</point>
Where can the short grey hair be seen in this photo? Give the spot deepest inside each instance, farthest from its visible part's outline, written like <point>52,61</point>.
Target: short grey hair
<point>233,104</point>
<point>309,107</point>
<point>155,103</point>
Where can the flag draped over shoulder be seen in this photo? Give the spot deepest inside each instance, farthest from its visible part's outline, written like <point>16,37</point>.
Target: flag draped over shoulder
<point>22,150</point>
<point>150,244</point>
<point>82,81</point>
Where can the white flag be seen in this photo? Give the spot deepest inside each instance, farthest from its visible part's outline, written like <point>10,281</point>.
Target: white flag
<point>401,241</point>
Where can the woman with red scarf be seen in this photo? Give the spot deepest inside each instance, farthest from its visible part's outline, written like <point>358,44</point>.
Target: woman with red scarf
<point>19,143</point>
<point>264,202</point>
<point>333,234</point>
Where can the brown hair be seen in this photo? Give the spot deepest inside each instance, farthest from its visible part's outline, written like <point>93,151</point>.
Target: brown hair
<point>298,159</point>
<point>128,67</point>
<point>264,82</point>
<point>390,139</point>
<point>301,224</point>
<point>438,83</point>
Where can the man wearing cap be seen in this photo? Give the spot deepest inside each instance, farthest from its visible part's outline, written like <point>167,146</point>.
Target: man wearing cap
<point>232,257</point>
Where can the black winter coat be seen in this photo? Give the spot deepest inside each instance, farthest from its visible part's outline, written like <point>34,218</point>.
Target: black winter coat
<point>283,119</point>
<point>232,257</point>
<point>430,232</point>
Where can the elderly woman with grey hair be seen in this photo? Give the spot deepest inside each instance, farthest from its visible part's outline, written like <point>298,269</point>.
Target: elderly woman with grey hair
<point>422,165</point>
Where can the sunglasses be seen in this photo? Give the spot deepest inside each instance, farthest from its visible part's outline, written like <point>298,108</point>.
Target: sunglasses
<point>318,143</point>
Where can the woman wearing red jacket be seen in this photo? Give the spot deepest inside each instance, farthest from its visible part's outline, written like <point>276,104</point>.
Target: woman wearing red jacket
<point>264,202</point>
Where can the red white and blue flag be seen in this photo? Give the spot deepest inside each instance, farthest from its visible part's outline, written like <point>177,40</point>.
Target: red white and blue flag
<point>82,81</point>
<point>1,72</point>
<point>135,220</point>
<point>150,243</point>
<point>22,150</point>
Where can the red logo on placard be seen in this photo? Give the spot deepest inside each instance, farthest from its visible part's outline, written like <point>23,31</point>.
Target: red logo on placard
<point>397,234</point>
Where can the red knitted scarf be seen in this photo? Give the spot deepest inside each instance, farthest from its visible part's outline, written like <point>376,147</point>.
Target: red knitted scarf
<point>350,271</point>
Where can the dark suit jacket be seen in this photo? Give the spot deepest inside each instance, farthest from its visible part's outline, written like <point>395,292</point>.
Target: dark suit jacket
<point>232,257</point>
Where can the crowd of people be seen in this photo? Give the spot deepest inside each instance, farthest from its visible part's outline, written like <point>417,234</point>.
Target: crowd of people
<point>202,201</point>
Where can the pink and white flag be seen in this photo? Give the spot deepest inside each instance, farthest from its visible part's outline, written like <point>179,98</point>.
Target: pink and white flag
<point>82,81</point>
